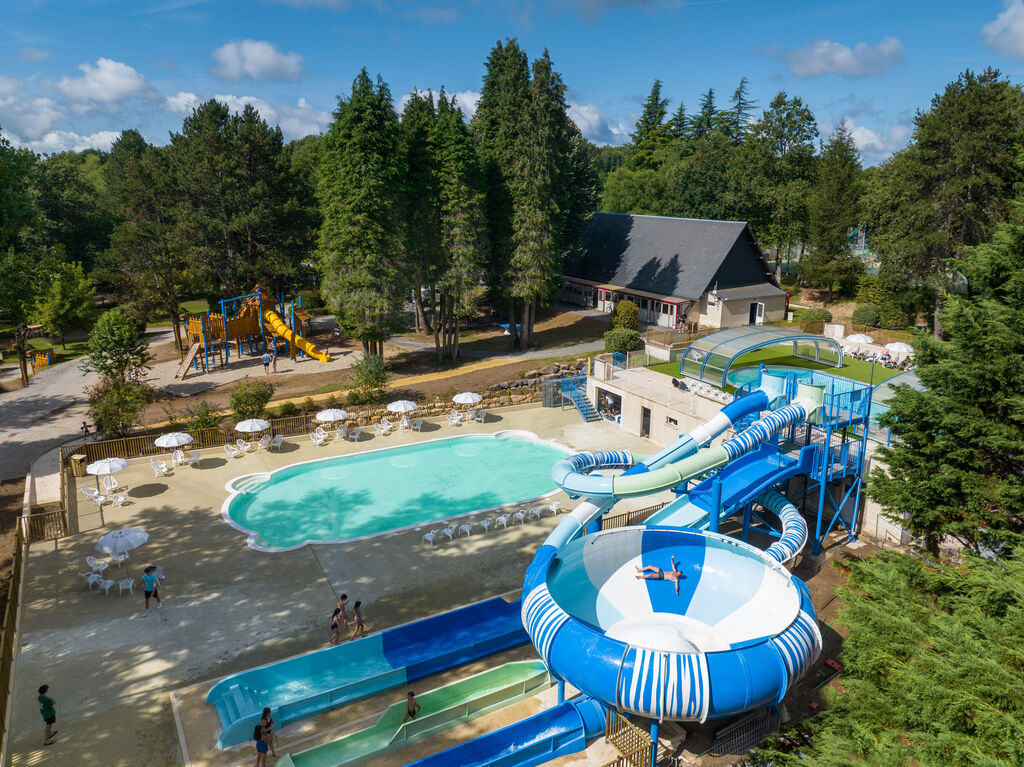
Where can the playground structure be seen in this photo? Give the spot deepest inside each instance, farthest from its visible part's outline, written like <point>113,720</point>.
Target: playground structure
<point>737,635</point>
<point>256,319</point>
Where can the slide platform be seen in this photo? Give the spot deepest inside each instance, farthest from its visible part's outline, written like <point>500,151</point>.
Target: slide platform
<point>443,708</point>
<point>559,731</point>
<point>318,681</point>
<point>273,322</point>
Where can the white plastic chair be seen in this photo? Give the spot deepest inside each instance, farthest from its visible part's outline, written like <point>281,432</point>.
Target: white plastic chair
<point>97,565</point>
<point>341,432</point>
<point>486,523</point>
<point>118,499</point>
<point>450,531</point>
<point>520,516</point>
<point>469,415</point>
<point>177,458</point>
<point>453,418</point>
<point>243,446</point>
<point>404,423</point>
<point>318,438</point>
<point>192,459</point>
<point>467,528</point>
<point>537,511</point>
<point>431,536</point>
<point>276,442</point>
<point>355,434</point>
<point>503,520</point>
<point>481,416</point>
<point>104,584</point>
<point>416,425</point>
<point>110,483</point>
<point>119,558</point>
<point>232,451</point>
<point>380,429</point>
<point>159,467</point>
<point>264,442</point>
<point>555,507</point>
<point>126,584</point>
<point>94,495</point>
<point>91,578</point>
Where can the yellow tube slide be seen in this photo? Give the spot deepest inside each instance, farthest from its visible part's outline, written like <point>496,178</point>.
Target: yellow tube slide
<point>273,322</point>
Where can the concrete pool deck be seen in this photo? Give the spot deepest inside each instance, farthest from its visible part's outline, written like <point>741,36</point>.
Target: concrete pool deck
<point>228,607</point>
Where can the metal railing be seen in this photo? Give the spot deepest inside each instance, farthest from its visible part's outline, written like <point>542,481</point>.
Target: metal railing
<point>741,737</point>
<point>629,518</point>
<point>633,744</point>
<point>10,630</point>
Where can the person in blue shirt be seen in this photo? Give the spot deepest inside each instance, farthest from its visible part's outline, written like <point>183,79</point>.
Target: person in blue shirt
<point>266,362</point>
<point>150,582</point>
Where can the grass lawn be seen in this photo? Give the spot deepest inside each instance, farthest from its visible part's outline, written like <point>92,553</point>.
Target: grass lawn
<point>854,369</point>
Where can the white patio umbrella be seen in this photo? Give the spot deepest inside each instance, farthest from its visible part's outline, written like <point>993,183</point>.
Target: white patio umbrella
<point>466,398</point>
<point>899,347</point>
<point>402,406</point>
<point>331,415</point>
<point>173,439</point>
<point>118,542</point>
<point>106,466</point>
<point>251,425</point>
<point>860,338</point>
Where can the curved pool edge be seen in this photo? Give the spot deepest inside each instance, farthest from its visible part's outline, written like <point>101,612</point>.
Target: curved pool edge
<point>233,489</point>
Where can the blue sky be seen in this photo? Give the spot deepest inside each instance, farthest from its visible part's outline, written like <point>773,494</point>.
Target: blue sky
<point>74,73</point>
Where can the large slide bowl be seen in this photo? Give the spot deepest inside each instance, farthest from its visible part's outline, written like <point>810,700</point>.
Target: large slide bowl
<point>740,632</point>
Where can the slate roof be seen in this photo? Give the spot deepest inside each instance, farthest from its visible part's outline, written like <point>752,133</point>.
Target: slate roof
<point>677,257</point>
<point>750,291</point>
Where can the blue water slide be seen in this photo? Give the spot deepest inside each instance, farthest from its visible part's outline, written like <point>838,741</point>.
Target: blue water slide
<point>318,681</point>
<point>559,731</point>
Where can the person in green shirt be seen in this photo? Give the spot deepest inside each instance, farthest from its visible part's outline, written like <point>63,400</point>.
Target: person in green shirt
<point>49,714</point>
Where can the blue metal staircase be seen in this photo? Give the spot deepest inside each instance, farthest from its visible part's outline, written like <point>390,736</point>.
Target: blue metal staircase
<point>571,390</point>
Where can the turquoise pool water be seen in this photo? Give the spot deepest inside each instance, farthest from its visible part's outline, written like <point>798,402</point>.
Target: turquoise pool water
<point>354,496</point>
<point>742,376</point>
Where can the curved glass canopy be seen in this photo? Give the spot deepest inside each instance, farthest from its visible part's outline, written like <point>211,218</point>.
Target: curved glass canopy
<point>710,357</point>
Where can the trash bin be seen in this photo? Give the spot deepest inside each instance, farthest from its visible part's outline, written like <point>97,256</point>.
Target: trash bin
<point>77,461</point>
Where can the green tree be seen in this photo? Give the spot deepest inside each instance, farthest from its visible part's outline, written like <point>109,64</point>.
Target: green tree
<point>421,233</point>
<point>788,131</point>
<point>117,351</point>
<point>463,246</point>
<point>359,188</point>
<point>249,399</point>
<point>956,468</point>
<point>504,104</point>
<point>116,407</point>
<point>17,206</point>
<point>642,191</point>
<point>931,670</point>
<point>651,130</point>
<point>67,303</point>
<point>146,263</point>
<point>949,189</point>
<point>370,377</point>
<point>739,115</point>
<point>239,202</point>
<point>708,118</point>
<point>201,415</point>
<point>834,201</point>
<point>626,315</point>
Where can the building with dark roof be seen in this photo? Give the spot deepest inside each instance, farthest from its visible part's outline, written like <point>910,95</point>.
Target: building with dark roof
<point>677,270</point>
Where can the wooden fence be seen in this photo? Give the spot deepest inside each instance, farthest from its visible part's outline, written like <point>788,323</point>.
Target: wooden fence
<point>45,526</point>
<point>633,744</point>
<point>7,641</point>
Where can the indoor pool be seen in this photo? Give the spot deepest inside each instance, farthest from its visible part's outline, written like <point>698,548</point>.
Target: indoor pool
<point>742,376</point>
<point>356,496</point>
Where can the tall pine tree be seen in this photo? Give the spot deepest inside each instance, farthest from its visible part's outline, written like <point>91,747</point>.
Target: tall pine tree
<point>359,188</point>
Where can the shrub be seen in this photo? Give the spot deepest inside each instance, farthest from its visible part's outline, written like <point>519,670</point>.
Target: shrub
<point>332,401</point>
<point>287,408</point>
<point>370,377</point>
<point>626,315</point>
<point>867,314</point>
<point>201,415</point>
<point>116,406</point>
<point>250,398</point>
<point>812,320</point>
<point>622,340</point>
<point>893,317</point>
<point>311,299</point>
<point>352,399</point>
<point>309,406</point>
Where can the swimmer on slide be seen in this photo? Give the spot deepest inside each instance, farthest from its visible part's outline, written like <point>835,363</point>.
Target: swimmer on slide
<point>655,573</point>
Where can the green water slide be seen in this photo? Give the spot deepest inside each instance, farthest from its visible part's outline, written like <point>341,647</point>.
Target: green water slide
<point>443,708</point>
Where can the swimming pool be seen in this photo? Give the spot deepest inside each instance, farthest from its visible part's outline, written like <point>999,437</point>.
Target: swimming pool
<point>348,497</point>
<point>742,376</point>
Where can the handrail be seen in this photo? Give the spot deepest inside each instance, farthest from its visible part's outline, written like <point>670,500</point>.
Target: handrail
<point>8,635</point>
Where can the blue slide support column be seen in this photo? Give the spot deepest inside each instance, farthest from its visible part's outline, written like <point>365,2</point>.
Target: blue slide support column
<point>654,743</point>
<point>716,502</point>
<point>561,691</point>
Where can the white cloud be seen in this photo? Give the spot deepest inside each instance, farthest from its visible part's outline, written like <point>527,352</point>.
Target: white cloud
<point>31,53</point>
<point>24,115</point>
<point>824,57</point>
<point>592,9</point>
<point>465,100</point>
<point>258,59</point>
<point>182,103</point>
<point>595,126</point>
<point>875,146</point>
<point>107,84</point>
<point>1005,34</point>
<point>55,142</point>
<point>296,120</point>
